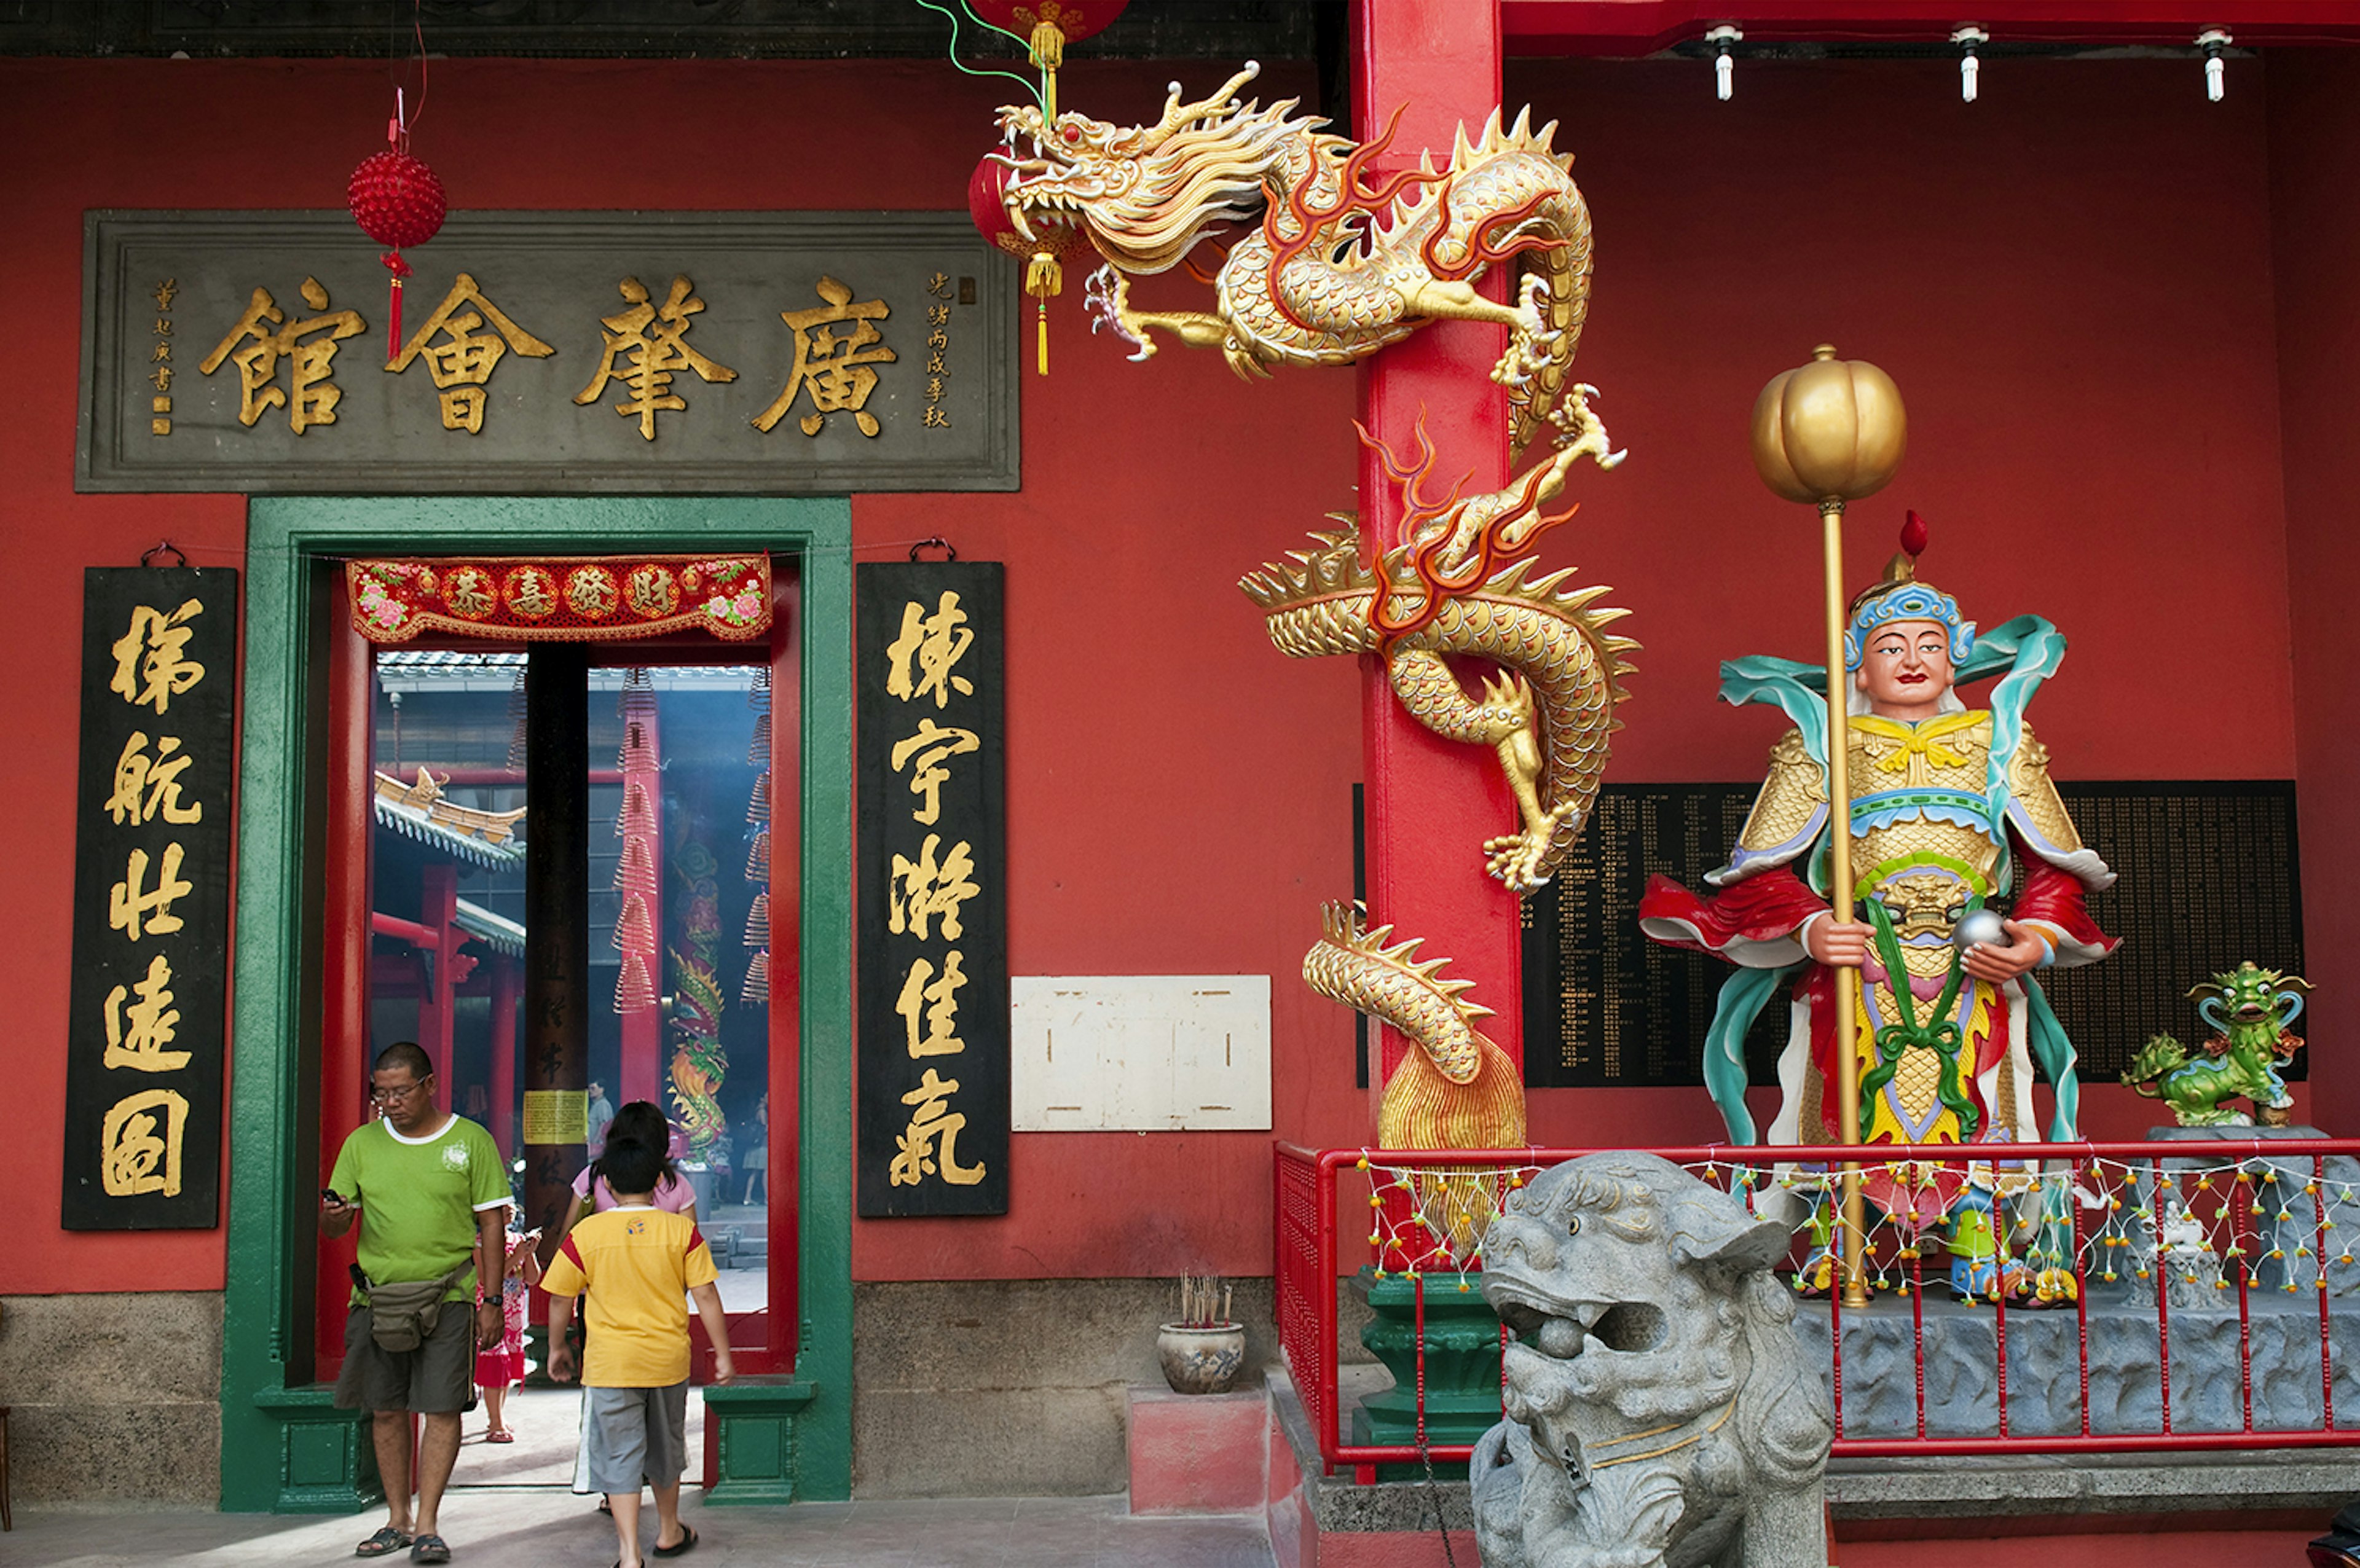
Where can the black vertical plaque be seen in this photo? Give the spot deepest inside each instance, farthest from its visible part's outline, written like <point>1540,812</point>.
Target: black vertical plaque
<point>2207,878</point>
<point>932,892</point>
<point>146,1039</point>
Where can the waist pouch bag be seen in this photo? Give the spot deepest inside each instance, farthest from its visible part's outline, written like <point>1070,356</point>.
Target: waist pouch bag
<point>402,1314</point>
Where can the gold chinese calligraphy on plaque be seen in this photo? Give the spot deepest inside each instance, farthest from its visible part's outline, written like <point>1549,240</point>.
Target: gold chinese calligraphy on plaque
<point>552,353</point>
<point>146,1032</point>
<point>461,365</point>
<point>934,1115</point>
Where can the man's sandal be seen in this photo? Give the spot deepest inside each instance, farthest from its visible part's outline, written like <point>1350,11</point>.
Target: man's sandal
<point>429,1549</point>
<point>686,1542</point>
<point>384,1543</point>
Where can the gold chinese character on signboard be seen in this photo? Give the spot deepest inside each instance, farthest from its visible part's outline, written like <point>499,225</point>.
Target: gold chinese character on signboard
<point>162,378</point>
<point>137,1157</point>
<point>938,642</point>
<point>164,293</point>
<point>130,903</point>
<point>461,363</point>
<point>920,889</point>
<point>935,420</point>
<point>935,1004</point>
<point>137,1036</point>
<point>655,357</point>
<point>163,674</point>
<point>939,286</point>
<point>931,1137</point>
<point>938,315</point>
<point>315,395</point>
<point>834,366</point>
<point>933,746</point>
<point>157,777</point>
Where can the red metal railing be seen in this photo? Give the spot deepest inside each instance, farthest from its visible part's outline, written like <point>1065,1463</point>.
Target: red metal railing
<point>2129,1218</point>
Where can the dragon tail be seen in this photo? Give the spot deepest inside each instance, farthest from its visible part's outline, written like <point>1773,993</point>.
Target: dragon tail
<point>1457,1090</point>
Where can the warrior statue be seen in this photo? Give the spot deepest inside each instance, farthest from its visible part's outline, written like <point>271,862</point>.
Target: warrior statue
<point>1952,809</point>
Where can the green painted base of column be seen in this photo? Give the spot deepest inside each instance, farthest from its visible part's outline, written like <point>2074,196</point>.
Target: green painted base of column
<point>325,1462</point>
<point>751,1424</point>
<point>1462,1365</point>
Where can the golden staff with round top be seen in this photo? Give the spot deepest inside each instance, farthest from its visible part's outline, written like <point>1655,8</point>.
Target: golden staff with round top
<point>1825,433</point>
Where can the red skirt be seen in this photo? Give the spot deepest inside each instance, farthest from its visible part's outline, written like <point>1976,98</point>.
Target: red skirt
<point>498,1369</point>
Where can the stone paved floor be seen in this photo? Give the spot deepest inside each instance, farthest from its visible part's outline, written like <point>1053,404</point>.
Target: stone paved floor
<point>545,1528</point>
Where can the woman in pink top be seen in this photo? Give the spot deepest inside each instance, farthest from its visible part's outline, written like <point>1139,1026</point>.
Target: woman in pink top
<point>641,1122</point>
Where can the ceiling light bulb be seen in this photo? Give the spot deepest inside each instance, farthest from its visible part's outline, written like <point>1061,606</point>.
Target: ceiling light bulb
<point>1968,38</point>
<point>2212,41</point>
<point>1724,64</point>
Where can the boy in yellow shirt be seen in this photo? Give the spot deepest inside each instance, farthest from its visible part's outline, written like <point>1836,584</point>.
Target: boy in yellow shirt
<point>639,1263</point>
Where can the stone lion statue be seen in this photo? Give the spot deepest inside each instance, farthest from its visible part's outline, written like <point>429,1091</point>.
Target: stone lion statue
<point>1661,1412</point>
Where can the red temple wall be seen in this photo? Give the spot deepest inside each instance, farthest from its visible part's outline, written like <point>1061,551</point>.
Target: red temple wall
<point>2071,281</point>
<point>2315,155</point>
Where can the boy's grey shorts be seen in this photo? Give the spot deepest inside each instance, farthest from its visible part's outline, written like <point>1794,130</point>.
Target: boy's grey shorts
<point>636,1435</point>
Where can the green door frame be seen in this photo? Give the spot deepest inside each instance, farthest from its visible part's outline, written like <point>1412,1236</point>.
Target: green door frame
<point>286,1448</point>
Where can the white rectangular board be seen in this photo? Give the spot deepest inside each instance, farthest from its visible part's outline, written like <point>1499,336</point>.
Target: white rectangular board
<point>1140,1052</point>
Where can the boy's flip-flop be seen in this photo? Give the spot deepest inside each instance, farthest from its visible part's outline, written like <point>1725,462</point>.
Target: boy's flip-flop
<point>500,1437</point>
<point>384,1543</point>
<point>429,1549</point>
<point>686,1542</point>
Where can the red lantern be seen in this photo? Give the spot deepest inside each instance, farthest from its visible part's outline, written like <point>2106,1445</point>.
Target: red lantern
<point>398,202</point>
<point>1044,275</point>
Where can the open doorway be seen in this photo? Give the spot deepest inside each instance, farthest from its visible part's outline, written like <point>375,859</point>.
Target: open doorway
<point>690,996</point>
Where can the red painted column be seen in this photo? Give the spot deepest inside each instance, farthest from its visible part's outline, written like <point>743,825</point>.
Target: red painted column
<point>642,1032</point>
<point>438,900</point>
<point>504,1054</point>
<point>1431,802</point>
<point>344,961</point>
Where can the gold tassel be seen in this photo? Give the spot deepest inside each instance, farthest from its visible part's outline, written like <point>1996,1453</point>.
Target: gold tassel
<point>1042,277</point>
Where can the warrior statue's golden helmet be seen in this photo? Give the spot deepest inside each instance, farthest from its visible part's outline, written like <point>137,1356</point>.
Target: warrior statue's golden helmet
<point>1899,596</point>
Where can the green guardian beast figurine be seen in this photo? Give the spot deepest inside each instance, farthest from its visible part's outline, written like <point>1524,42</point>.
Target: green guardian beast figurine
<point>2251,1008</point>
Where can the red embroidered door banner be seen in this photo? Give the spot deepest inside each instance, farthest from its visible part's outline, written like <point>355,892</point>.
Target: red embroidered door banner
<point>562,598</point>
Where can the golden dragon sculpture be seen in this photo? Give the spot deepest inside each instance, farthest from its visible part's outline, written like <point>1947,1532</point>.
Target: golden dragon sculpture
<point>1340,264</point>
<point>1442,593</point>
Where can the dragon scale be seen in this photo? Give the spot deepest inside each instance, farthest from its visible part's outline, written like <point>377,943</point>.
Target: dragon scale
<point>1554,640</point>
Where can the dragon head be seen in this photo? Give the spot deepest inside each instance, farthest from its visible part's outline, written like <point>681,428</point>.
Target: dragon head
<point>1145,194</point>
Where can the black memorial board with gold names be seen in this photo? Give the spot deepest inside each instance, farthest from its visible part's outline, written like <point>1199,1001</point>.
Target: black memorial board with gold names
<point>933,1104</point>
<point>152,813</point>
<point>2208,877</point>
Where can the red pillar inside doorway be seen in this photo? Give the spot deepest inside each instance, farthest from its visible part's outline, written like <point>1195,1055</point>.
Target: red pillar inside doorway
<point>642,1031</point>
<point>1431,802</point>
<point>438,904</point>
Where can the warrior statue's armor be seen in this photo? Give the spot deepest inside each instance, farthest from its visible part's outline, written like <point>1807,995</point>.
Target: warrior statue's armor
<point>1947,813</point>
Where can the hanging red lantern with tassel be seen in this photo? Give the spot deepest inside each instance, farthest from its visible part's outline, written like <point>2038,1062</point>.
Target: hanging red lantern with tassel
<point>398,202</point>
<point>1044,273</point>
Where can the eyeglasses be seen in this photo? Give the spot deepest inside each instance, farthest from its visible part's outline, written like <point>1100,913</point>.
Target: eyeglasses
<point>385,1094</point>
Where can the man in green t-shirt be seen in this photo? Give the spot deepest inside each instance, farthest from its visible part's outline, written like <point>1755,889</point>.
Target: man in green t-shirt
<point>428,1188</point>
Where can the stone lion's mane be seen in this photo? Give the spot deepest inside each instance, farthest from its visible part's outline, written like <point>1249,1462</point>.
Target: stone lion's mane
<point>1778,1424</point>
